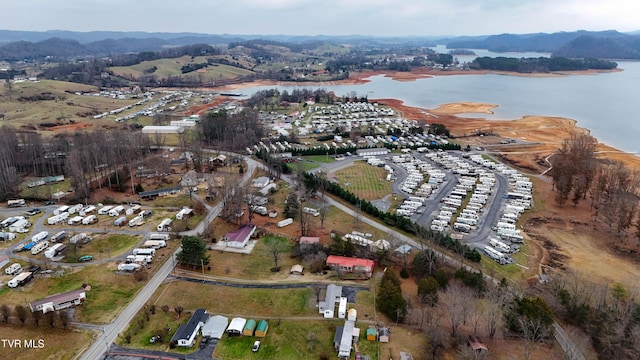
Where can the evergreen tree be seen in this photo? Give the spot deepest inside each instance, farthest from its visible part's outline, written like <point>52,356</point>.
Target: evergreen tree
<point>193,252</point>
<point>389,299</point>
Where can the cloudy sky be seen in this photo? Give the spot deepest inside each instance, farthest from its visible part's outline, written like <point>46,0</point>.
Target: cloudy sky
<point>328,17</point>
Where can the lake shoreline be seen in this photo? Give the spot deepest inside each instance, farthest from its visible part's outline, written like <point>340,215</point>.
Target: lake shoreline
<point>540,136</point>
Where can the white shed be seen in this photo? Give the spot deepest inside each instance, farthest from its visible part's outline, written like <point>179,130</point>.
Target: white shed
<point>236,326</point>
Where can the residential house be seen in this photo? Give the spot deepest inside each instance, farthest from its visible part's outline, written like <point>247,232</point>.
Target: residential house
<point>240,237</point>
<point>351,265</point>
<point>59,301</point>
<point>332,296</point>
<point>186,334</point>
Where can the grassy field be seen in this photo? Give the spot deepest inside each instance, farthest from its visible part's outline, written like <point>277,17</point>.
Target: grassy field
<point>108,295</point>
<point>285,340</point>
<point>104,246</point>
<point>171,67</point>
<point>65,107</point>
<point>365,181</point>
<point>57,343</point>
<point>43,191</point>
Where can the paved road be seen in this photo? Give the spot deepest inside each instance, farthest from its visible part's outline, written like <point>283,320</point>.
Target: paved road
<point>111,331</point>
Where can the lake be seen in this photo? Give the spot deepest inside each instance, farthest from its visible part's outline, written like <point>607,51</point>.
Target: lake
<point>604,103</point>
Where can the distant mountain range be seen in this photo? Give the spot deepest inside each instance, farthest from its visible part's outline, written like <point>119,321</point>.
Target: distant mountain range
<point>18,45</point>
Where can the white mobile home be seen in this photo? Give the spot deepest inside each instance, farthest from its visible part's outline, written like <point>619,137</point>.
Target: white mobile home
<point>165,225</point>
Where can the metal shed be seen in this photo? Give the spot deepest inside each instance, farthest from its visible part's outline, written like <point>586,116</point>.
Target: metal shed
<point>236,326</point>
<point>215,327</point>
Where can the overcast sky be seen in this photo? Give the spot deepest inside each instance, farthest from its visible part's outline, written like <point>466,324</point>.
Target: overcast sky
<point>327,17</point>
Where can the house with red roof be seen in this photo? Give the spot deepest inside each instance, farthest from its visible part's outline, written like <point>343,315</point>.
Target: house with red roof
<point>351,265</point>
<point>240,237</point>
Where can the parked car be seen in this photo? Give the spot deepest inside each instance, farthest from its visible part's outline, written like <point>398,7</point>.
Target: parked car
<point>256,346</point>
<point>49,202</point>
<point>85,258</point>
<point>154,339</point>
<point>203,342</point>
<point>33,212</point>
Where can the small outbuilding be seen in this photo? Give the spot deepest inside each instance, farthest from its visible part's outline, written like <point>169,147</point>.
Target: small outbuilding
<point>236,326</point>
<point>383,335</point>
<point>352,314</point>
<point>249,327</point>
<point>262,328</point>
<point>371,334</point>
<point>297,269</point>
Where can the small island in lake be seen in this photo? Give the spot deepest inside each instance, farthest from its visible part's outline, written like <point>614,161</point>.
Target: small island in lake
<point>461,52</point>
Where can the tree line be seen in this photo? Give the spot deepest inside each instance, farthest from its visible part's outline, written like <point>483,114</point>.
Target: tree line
<point>612,188</point>
<point>539,65</point>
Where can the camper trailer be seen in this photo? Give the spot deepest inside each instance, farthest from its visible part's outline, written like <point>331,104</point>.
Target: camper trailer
<point>37,248</point>
<point>91,219</point>
<point>165,225</point>
<point>116,210</point>
<point>155,244</point>
<point>20,279</point>
<point>140,251</point>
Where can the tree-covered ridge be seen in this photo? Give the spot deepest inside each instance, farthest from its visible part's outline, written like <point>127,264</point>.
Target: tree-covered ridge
<point>540,65</point>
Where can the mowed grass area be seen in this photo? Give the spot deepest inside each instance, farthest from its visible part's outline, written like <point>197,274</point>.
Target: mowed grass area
<point>43,191</point>
<point>172,67</point>
<point>236,301</point>
<point>285,340</point>
<point>512,272</point>
<point>109,292</point>
<point>365,181</point>
<point>101,246</point>
<point>57,343</point>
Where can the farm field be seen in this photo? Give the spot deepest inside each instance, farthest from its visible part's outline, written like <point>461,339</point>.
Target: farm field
<point>365,181</point>
<point>172,67</point>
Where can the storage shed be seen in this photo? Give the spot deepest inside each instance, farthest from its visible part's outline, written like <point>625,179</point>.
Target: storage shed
<point>249,327</point>
<point>383,336</point>
<point>261,329</point>
<point>352,314</point>
<point>372,335</point>
<point>236,326</point>
<point>297,270</point>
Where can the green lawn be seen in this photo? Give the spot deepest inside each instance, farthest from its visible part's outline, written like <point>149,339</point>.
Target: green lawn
<point>320,158</point>
<point>365,181</point>
<point>286,340</point>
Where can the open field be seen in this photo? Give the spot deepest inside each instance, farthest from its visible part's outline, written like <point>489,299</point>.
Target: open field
<point>365,181</point>
<point>171,67</point>
<point>64,108</point>
<point>57,343</point>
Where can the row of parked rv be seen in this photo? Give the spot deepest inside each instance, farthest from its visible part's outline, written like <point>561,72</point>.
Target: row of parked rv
<point>143,256</point>
<point>519,199</point>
